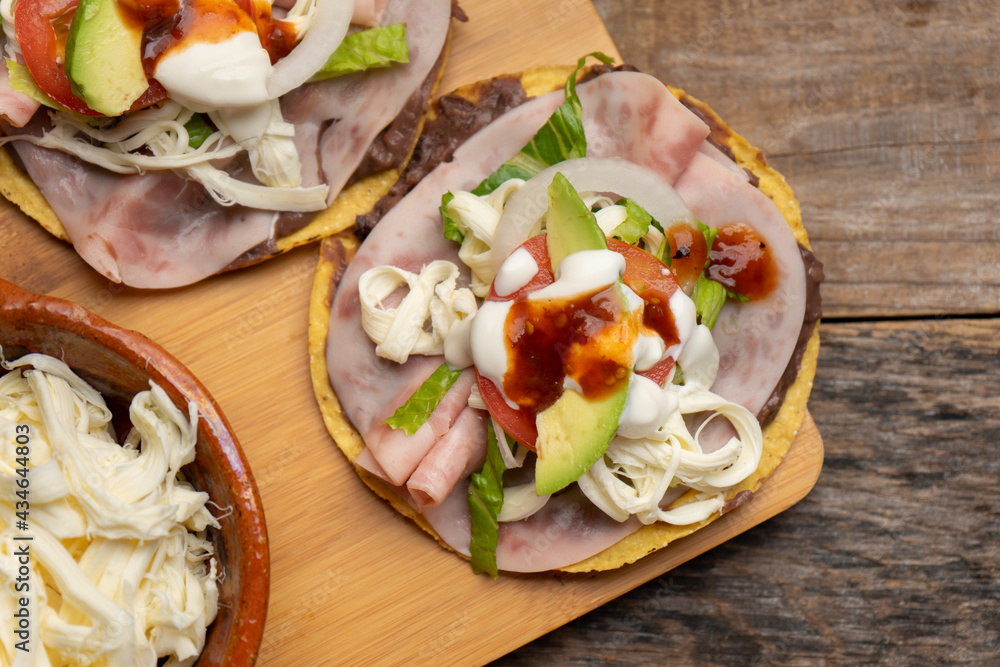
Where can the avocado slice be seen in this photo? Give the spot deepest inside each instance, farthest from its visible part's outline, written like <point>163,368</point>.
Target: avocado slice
<point>570,226</point>
<point>104,58</point>
<point>573,433</point>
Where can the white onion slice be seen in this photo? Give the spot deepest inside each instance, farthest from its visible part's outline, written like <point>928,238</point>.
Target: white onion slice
<point>326,31</point>
<point>525,208</point>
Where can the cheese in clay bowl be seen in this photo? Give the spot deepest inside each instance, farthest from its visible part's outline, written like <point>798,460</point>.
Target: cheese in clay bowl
<point>225,585</point>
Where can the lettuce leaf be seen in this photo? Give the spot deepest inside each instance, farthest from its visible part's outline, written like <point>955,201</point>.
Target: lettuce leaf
<point>366,49</point>
<point>709,297</point>
<point>451,231</point>
<point>22,81</point>
<point>485,503</point>
<point>636,225</point>
<point>414,413</point>
<point>198,130</point>
<point>561,138</point>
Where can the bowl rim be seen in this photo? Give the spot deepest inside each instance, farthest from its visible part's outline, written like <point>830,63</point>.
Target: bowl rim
<point>180,383</point>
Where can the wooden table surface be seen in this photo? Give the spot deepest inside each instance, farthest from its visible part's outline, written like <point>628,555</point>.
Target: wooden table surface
<point>883,117</point>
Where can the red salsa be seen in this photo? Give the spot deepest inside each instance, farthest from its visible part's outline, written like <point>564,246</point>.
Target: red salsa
<point>741,262</point>
<point>584,337</point>
<point>739,259</point>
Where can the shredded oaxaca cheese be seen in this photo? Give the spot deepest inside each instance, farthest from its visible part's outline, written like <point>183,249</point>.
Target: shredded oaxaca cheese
<point>635,474</point>
<point>477,218</point>
<point>402,330</point>
<point>121,572</point>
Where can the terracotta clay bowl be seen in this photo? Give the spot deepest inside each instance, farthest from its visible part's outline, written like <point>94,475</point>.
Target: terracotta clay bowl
<point>120,363</point>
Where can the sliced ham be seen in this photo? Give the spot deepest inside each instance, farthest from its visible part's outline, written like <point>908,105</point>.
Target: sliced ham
<point>626,115</point>
<point>709,149</point>
<point>566,530</point>
<point>341,118</point>
<point>399,454</point>
<point>152,230</point>
<point>455,456</point>
<point>633,115</point>
<point>369,12</point>
<point>756,338</point>
<point>158,230</point>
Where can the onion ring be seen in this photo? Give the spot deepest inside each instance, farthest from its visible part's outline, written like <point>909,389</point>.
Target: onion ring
<point>326,31</point>
<point>528,204</point>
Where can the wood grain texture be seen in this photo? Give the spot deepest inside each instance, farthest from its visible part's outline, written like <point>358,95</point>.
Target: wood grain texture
<point>880,116</point>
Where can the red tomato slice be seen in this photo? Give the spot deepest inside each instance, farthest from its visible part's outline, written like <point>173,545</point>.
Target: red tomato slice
<point>644,274</point>
<point>41,28</point>
<point>653,281</point>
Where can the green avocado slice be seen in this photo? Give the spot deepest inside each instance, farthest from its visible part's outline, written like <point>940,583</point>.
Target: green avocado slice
<point>573,432</point>
<point>570,226</point>
<point>104,58</point>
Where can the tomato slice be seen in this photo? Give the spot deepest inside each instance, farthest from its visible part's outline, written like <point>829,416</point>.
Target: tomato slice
<point>644,274</point>
<point>41,28</point>
<point>655,283</point>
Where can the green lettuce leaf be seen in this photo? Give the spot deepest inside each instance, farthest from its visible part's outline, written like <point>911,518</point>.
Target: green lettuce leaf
<point>636,224</point>
<point>198,130</point>
<point>414,413</point>
<point>561,138</point>
<point>709,297</point>
<point>366,49</point>
<point>451,231</point>
<point>485,503</point>
<point>709,234</point>
<point>22,81</point>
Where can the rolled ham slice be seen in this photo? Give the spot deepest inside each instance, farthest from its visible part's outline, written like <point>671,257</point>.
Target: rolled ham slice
<point>399,454</point>
<point>627,115</point>
<point>455,456</point>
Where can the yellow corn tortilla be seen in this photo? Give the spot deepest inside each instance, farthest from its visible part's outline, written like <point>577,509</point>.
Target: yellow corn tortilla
<point>336,251</point>
<point>356,199</point>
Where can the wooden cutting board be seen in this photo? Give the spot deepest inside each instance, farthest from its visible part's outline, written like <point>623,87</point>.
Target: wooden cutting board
<point>352,581</point>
